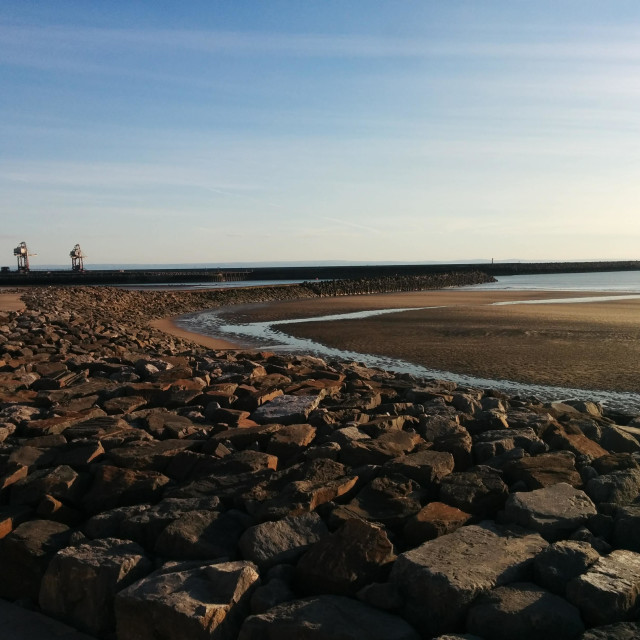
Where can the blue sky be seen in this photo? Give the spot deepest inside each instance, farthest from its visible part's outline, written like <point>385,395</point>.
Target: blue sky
<point>360,130</point>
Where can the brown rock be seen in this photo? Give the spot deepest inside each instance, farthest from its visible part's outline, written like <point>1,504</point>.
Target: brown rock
<point>425,467</point>
<point>290,440</point>
<point>435,520</point>
<point>479,491</point>
<point>199,603</point>
<point>343,562</point>
<point>11,517</point>
<point>25,554</point>
<point>283,541</point>
<point>114,487</point>
<point>60,482</point>
<point>544,470</point>
<point>326,618</point>
<point>81,582</point>
<point>558,438</point>
<point>386,500</point>
<point>388,446</point>
<point>202,535</point>
<point>123,404</point>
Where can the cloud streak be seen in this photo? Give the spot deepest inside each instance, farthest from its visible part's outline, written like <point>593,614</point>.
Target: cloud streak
<point>65,41</point>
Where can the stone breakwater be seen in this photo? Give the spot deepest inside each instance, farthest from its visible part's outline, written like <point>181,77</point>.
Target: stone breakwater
<point>152,490</point>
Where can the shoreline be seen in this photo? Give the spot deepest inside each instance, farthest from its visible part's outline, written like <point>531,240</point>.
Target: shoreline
<point>168,325</point>
<point>587,345</point>
<point>11,301</point>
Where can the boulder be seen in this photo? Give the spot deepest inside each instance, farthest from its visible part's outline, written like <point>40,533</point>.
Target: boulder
<point>447,434</point>
<point>388,446</point>
<point>326,618</point>
<point>145,526</point>
<point>18,623</point>
<point>283,541</point>
<point>618,487</point>
<point>434,520</point>
<point>81,582</point>
<point>303,496</point>
<point>554,512</point>
<point>343,562</point>
<point>619,631</point>
<point>488,444</point>
<point>452,570</point>
<point>561,562</point>
<point>11,517</point>
<point>290,440</point>
<point>615,462</point>
<point>479,491</point>
<point>203,535</point>
<point>387,500</point>
<point>270,595</point>
<point>609,591</point>
<point>544,470</point>
<point>559,438</point>
<point>25,554</point>
<point>182,601</point>
<point>425,467</point>
<point>60,482</point>
<point>286,409</point>
<point>524,611</point>
<point>626,531</point>
<point>114,487</point>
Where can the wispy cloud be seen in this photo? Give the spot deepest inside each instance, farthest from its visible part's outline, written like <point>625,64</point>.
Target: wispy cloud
<point>65,41</point>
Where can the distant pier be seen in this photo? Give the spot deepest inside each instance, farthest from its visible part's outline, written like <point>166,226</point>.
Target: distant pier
<point>121,276</point>
<point>337,272</point>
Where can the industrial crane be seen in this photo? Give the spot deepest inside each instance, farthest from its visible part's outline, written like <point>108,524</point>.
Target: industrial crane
<point>77,258</point>
<point>22,254</point>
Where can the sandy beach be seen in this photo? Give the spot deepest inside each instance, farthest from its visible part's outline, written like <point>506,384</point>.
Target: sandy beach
<point>169,326</point>
<point>592,345</point>
<point>10,301</point>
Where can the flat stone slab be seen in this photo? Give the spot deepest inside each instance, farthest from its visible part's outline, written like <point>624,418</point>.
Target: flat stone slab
<point>554,512</point>
<point>286,409</point>
<point>609,591</point>
<point>440,579</point>
<point>21,624</point>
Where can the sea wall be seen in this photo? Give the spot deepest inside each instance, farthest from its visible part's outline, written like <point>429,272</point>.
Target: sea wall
<point>152,489</point>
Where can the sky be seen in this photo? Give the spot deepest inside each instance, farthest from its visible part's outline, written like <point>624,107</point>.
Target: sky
<point>245,131</point>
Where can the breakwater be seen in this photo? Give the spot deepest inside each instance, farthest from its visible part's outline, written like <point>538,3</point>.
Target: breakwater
<point>138,306</point>
<point>343,272</point>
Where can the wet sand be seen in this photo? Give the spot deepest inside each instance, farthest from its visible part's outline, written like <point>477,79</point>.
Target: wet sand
<point>169,326</point>
<point>590,345</point>
<point>10,302</point>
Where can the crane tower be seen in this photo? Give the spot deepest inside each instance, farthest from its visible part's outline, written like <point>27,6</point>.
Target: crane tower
<point>22,254</point>
<point>77,258</point>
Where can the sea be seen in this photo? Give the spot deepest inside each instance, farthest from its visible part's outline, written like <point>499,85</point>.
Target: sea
<point>273,335</point>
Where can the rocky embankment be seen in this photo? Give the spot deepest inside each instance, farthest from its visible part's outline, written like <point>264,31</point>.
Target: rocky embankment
<point>153,490</point>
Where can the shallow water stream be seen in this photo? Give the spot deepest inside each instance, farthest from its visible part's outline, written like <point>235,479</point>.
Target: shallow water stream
<point>272,334</point>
